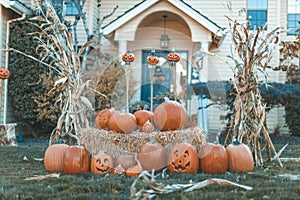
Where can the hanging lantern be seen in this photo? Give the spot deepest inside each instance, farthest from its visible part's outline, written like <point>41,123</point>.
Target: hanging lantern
<point>128,57</point>
<point>4,73</point>
<point>152,59</point>
<point>173,57</point>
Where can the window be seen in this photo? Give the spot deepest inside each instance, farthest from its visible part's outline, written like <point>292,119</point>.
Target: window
<point>69,6</point>
<point>293,17</point>
<point>257,13</point>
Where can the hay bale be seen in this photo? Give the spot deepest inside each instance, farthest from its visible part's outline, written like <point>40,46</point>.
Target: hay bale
<point>96,140</point>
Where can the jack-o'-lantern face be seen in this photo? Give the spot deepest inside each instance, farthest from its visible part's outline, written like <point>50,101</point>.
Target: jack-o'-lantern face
<point>128,57</point>
<point>103,118</point>
<point>4,73</point>
<point>183,158</point>
<point>173,57</point>
<point>152,59</point>
<point>101,163</point>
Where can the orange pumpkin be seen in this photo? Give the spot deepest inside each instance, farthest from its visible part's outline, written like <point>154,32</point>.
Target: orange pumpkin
<point>213,158</point>
<point>183,158</point>
<point>170,116</point>
<point>142,116</point>
<point>152,155</point>
<point>148,127</point>
<point>173,57</point>
<point>54,157</point>
<point>102,118</point>
<point>77,160</point>
<point>240,158</point>
<point>101,163</point>
<point>126,160</point>
<point>122,122</point>
<point>134,170</point>
<point>152,59</point>
<point>119,170</point>
<point>128,57</point>
<point>4,73</point>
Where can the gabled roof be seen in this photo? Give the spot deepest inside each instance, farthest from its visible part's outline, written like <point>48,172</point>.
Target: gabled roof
<point>145,4</point>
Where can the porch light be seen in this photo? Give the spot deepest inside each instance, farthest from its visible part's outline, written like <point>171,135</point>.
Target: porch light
<point>164,39</point>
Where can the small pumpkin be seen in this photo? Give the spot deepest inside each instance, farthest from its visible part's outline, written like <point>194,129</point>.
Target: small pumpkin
<point>126,160</point>
<point>240,158</point>
<point>122,122</point>
<point>152,59</point>
<point>148,127</point>
<point>134,170</point>
<point>76,160</point>
<point>142,116</point>
<point>4,73</point>
<point>128,57</point>
<point>213,158</point>
<point>152,155</point>
<point>183,158</point>
<point>102,118</point>
<point>101,163</point>
<point>173,57</point>
<point>54,157</point>
<point>119,170</point>
<point>170,116</point>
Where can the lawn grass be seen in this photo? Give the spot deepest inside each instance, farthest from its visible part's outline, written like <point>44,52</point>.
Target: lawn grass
<point>14,169</point>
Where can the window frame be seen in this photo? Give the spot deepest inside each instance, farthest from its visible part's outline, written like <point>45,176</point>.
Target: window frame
<point>257,8</point>
<point>292,24</point>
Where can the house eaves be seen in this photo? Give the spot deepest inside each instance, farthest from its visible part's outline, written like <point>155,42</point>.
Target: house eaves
<point>180,4</point>
<point>16,6</point>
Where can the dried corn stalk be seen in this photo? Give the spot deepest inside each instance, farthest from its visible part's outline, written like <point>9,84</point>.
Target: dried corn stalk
<point>251,54</point>
<point>56,47</point>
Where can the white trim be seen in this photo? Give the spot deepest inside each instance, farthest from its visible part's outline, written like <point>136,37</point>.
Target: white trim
<point>128,16</point>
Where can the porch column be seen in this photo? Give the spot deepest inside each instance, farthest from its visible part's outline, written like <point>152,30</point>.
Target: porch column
<point>202,100</point>
<point>122,48</point>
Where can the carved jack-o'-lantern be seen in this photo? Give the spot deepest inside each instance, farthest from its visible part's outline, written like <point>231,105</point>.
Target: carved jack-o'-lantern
<point>152,59</point>
<point>4,73</point>
<point>128,57</point>
<point>101,163</point>
<point>102,118</point>
<point>173,57</point>
<point>183,158</point>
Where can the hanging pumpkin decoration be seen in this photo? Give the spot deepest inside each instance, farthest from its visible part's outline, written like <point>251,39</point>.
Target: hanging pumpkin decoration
<point>101,163</point>
<point>240,158</point>
<point>134,170</point>
<point>142,116</point>
<point>148,127</point>
<point>77,160</point>
<point>152,155</point>
<point>152,59</point>
<point>173,57</point>
<point>102,118</point>
<point>126,160</point>
<point>54,157</point>
<point>122,122</point>
<point>119,170</point>
<point>170,116</point>
<point>128,57</point>
<point>213,158</point>
<point>183,158</point>
<point>4,73</point>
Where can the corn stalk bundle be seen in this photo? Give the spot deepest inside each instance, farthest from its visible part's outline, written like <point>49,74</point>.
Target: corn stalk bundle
<point>251,53</point>
<point>56,47</point>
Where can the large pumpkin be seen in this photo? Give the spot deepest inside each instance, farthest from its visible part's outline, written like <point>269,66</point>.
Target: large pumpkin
<point>170,116</point>
<point>240,158</point>
<point>183,158</point>
<point>213,158</point>
<point>142,116</point>
<point>152,155</point>
<point>54,157</point>
<point>77,160</point>
<point>102,118</point>
<point>122,122</point>
<point>101,163</point>
<point>4,73</point>
<point>126,160</point>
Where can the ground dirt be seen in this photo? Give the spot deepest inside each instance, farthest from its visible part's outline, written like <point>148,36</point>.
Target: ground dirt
<point>269,182</point>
